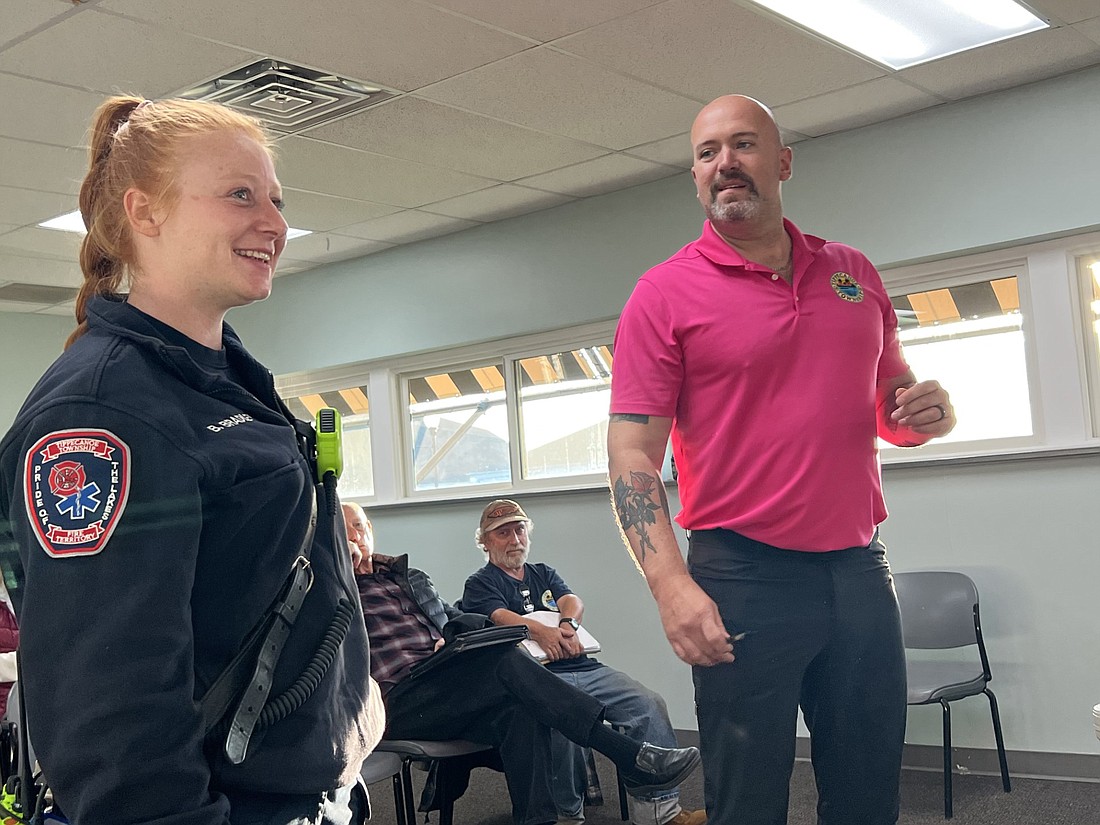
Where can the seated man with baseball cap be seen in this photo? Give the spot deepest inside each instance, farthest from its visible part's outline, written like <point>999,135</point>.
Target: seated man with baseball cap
<point>508,589</point>
<point>499,696</point>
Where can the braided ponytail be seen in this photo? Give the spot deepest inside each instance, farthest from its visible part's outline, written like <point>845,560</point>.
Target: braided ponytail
<point>101,259</point>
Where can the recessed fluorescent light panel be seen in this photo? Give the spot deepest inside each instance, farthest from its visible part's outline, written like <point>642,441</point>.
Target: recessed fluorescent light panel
<point>72,222</point>
<point>904,33</point>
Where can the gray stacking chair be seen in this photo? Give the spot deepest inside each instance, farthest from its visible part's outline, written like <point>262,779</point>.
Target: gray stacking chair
<point>379,766</point>
<point>427,752</point>
<point>939,610</point>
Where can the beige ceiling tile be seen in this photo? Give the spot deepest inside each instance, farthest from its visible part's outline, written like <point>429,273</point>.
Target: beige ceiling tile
<point>402,45</point>
<point>320,213</point>
<point>860,105</point>
<point>1090,29</point>
<point>6,227</point>
<point>543,20</point>
<point>595,177</point>
<point>27,165</point>
<point>30,269</point>
<point>407,227</point>
<point>127,57</point>
<point>22,18</point>
<point>44,112</point>
<point>326,247</point>
<point>427,132</point>
<point>497,203</point>
<point>350,173</point>
<point>1009,63</point>
<point>553,92</point>
<point>44,242</point>
<point>1068,11</point>
<point>706,48</point>
<point>26,206</point>
<point>673,151</point>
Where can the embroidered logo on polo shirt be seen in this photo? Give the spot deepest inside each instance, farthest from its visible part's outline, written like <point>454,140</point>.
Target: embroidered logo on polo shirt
<point>548,600</point>
<point>75,484</point>
<point>846,288</point>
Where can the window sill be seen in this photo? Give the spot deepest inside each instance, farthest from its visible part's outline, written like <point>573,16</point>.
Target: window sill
<point>1026,454</point>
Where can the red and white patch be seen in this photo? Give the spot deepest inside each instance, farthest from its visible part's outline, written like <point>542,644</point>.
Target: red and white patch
<point>76,483</point>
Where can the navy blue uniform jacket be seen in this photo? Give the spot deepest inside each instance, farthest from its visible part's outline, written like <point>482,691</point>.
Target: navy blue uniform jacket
<point>157,508</point>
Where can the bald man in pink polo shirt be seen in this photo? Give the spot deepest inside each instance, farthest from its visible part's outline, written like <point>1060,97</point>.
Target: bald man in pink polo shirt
<point>772,359</point>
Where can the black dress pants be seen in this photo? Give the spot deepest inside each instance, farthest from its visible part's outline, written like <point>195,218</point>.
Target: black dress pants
<point>499,696</point>
<point>824,634</point>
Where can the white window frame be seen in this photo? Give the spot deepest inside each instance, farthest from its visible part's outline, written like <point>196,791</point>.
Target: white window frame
<point>1089,337</point>
<point>337,378</point>
<point>1048,284</point>
<point>512,389</point>
<point>387,383</point>
<point>408,471</point>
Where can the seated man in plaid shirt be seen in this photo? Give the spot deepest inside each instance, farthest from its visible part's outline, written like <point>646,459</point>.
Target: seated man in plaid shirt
<point>499,695</point>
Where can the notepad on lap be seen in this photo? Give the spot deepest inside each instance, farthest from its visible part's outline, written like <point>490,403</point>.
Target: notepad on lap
<point>550,618</point>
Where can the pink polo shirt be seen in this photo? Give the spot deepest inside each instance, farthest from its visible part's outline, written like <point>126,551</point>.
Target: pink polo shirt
<point>771,387</point>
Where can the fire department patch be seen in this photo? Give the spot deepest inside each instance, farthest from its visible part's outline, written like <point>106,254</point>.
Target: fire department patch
<point>846,287</point>
<point>76,483</point>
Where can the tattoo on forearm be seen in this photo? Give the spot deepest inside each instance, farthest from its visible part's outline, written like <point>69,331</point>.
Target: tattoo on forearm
<point>631,417</point>
<point>637,504</point>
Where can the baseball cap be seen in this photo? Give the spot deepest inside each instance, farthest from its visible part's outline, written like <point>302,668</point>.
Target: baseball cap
<point>501,511</point>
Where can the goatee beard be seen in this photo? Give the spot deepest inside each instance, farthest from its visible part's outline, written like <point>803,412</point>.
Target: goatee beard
<point>734,210</point>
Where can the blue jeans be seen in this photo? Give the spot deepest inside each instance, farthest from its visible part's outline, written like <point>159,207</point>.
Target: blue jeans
<point>642,715</point>
<point>825,635</point>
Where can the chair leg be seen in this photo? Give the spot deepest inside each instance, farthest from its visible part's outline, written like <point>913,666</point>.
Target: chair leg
<point>399,801</point>
<point>948,809</point>
<point>407,791</point>
<point>446,794</point>
<point>624,810</point>
<point>1006,782</point>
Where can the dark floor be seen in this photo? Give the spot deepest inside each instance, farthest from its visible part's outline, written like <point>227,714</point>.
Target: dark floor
<point>979,800</point>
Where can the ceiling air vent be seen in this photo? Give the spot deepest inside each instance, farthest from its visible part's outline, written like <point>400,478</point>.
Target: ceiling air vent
<point>286,97</point>
<point>36,293</point>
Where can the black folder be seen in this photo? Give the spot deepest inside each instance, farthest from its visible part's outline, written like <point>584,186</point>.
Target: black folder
<point>511,634</point>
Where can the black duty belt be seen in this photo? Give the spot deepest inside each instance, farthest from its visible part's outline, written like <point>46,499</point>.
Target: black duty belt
<point>255,695</point>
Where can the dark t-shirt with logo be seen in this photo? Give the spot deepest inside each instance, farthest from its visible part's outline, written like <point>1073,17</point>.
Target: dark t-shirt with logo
<point>490,588</point>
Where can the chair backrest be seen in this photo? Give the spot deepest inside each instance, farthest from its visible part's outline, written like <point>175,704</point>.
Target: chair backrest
<point>938,609</point>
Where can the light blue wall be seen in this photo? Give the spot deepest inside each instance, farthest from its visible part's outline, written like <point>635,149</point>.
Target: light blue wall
<point>987,172</point>
<point>28,344</point>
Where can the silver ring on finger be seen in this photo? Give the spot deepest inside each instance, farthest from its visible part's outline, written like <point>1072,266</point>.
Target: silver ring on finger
<point>943,413</point>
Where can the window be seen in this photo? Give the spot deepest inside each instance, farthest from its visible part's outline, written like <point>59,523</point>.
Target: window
<point>531,415</point>
<point>970,337</point>
<point>1088,270</point>
<point>563,402</point>
<point>458,428</point>
<point>351,402</point>
<point>463,421</point>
